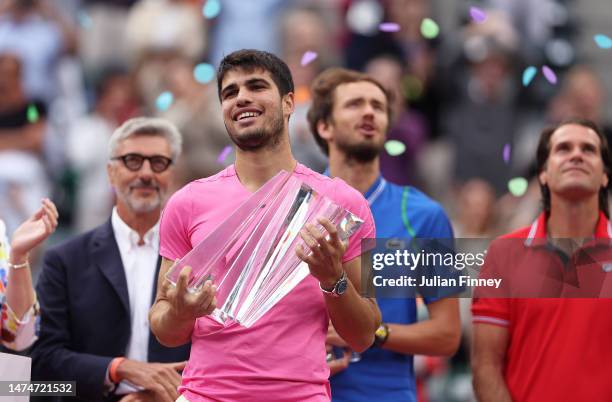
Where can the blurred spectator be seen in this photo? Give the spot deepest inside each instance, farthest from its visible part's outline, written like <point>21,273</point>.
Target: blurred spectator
<point>407,126</point>
<point>23,181</point>
<point>534,20</point>
<point>422,82</point>
<point>90,134</point>
<point>483,115</point>
<point>196,112</point>
<point>247,24</point>
<point>160,26</point>
<point>102,30</point>
<point>304,30</point>
<point>36,32</point>
<point>475,215</point>
<point>582,95</point>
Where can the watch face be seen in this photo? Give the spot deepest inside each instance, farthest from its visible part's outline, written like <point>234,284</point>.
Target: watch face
<point>342,285</point>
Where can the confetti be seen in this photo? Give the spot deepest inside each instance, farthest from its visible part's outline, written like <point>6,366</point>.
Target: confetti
<point>477,15</point>
<point>412,87</point>
<point>394,147</point>
<point>204,73</point>
<point>226,151</point>
<point>528,75</point>
<point>211,9</point>
<point>32,114</point>
<point>603,41</point>
<point>308,57</point>
<point>389,27</point>
<point>364,16</point>
<point>164,101</point>
<point>84,19</point>
<point>506,153</point>
<point>518,186</point>
<point>549,74</point>
<point>429,28</point>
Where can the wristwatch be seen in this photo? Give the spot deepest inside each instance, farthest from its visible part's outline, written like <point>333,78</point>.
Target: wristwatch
<point>381,335</point>
<point>339,288</point>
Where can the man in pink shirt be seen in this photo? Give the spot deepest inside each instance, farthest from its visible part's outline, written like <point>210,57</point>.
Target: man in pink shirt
<point>282,356</point>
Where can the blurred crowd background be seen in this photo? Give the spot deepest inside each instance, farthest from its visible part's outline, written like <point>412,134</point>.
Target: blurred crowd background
<point>466,118</point>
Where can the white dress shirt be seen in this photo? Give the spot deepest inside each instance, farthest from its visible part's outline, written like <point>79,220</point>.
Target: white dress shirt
<point>139,262</point>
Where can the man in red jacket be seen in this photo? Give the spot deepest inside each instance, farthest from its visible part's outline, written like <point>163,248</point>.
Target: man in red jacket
<point>551,340</point>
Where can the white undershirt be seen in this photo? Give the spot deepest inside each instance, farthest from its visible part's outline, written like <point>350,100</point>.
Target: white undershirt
<point>139,262</point>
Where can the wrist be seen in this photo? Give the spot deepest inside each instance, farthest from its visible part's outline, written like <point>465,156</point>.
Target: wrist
<point>178,318</point>
<point>17,258</point>
<point>330,282</point>
<point>116,373</point>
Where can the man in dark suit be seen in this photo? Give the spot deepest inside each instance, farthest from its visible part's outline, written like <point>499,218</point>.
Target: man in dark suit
<point>96,289</point>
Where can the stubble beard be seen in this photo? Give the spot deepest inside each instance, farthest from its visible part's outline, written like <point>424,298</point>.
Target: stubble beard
<point>262,138</point>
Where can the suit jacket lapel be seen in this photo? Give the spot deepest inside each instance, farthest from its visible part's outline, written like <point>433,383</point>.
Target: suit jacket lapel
<point>157,267</point>
<point>108,259</point>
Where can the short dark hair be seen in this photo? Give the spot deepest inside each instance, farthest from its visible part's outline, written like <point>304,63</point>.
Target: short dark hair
<point>544,151</point>
<point>250,60</point>
<point>323,88</point>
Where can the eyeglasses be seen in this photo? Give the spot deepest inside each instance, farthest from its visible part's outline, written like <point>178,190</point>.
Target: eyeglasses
<point>134,162</point>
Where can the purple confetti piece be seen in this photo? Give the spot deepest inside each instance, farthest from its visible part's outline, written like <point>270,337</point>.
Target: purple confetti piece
<point>477,15</point>
<point>506,153</point>
<point>308,57</point>
<point>226,151</point>
<point>549,74</point>
<point>389,27</point>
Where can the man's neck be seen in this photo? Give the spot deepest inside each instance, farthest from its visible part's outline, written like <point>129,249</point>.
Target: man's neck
<point>254,169</point>
<point>358,175</point>
<point>573,219</point>
<point>141,223</point>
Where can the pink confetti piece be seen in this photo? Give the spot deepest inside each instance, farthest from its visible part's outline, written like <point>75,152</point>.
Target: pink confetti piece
<point>226,151</point>
<point>549,74</point>
<point>308,57</point>
<point>506,153</point>
<point>389,27</point>
<point>477,15</point>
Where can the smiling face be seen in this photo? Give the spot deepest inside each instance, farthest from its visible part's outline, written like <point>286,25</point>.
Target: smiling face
<point>574,169</point>
<point>144,190</point>
<point>359,121</point>
<point>254,113</point>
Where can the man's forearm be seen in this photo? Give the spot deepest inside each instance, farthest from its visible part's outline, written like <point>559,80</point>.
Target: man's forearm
<point>490,386</point>
<point>169,329</point>
<point>354,317</point>
<point>427,337</point>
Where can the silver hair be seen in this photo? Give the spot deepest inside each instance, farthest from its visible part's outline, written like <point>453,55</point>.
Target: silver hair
<point>152,126</point>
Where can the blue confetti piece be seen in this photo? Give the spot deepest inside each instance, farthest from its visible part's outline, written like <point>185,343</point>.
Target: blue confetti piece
<point>211,9</point>
<point>164,101</point>
<point>204,73</point>
<point>603,41</point>
<point>84,19</point>
<point>528,75</point>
